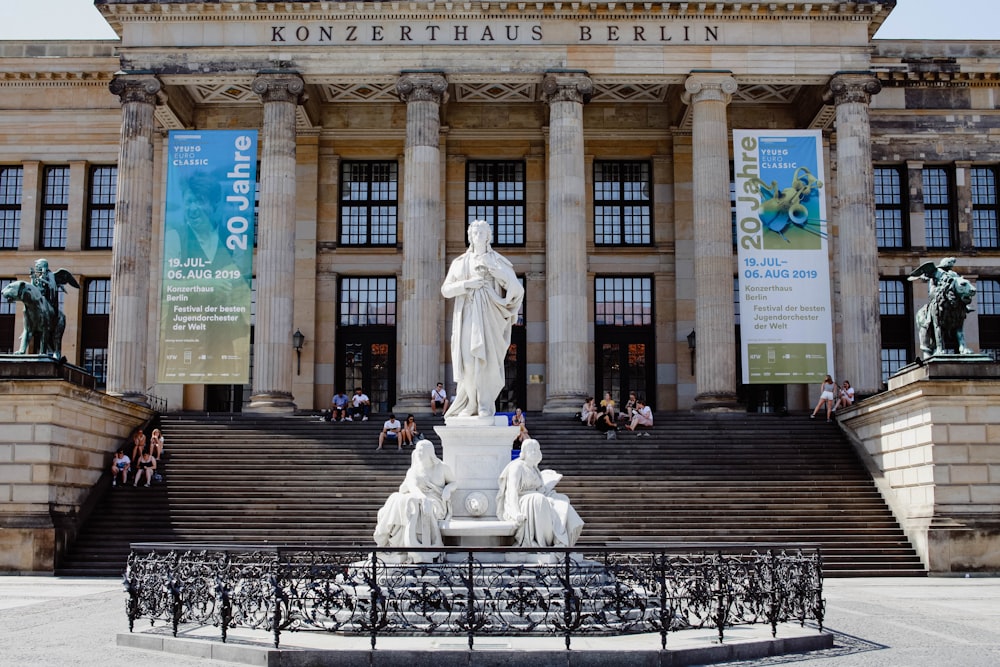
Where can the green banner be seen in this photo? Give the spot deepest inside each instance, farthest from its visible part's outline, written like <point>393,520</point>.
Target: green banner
<point>208,236</point>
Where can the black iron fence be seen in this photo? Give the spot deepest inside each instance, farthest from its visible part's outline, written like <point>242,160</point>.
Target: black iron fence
<point>474,592</point>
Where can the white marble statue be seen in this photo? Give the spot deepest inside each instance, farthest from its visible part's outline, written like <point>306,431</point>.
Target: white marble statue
<point>487,297</point>
<point>410,516</point>
<point>527,496</point>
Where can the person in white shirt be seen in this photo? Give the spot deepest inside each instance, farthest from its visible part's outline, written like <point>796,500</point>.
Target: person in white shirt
<point>439,399</point>
<point>120,467</point>
<point>390,431</point>
<point>846,396</point>
<point>642,416</point>
<point>361,406</point>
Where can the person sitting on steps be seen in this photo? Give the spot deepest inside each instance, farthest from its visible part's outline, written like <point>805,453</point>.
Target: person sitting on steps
<point>390,431</point>
<point>146,465</point>
<point>641,416</point>
<point>606,423</point>
<point>439,400</point>
<point>361,406</point>
<point>120,465</point>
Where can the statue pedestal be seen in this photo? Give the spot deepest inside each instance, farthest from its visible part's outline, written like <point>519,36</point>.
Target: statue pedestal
<point>477,452</point>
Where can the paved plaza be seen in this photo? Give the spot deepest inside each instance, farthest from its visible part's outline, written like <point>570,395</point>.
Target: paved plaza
<point>59,622</point>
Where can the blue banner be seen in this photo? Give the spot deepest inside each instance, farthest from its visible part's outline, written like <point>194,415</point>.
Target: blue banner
<point>208,233</point>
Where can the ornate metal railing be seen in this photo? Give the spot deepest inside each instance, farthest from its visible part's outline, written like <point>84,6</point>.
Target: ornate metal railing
<point>475,592</point>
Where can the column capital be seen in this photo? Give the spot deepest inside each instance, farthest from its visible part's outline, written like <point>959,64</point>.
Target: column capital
<point>709,86</point>
<point>279,87</point>
<point>135,88</point>
<point>847,88</point>
<point>422,87</point>
<point>577,88</point>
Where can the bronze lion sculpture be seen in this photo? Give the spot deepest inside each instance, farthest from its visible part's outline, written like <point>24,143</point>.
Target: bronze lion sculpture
<point>940,322</point>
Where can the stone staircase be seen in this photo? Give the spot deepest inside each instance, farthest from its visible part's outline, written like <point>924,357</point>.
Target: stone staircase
<point>697,479</point>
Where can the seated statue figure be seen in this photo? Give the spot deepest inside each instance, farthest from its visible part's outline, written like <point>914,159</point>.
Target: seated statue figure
<point>410,516</point>
<point>527,497</point>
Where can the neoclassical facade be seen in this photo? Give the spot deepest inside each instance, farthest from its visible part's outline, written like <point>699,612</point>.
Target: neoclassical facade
<point>595,137</point>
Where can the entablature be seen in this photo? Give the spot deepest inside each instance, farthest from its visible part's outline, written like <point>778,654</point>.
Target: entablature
<point>304,22</point>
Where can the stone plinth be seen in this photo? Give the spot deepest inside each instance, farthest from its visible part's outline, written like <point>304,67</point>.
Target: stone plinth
<point>56,442</point>
<point>477,452</point>
<point>931,443</point>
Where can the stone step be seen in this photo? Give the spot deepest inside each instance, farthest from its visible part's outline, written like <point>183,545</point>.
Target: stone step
<point>737,478</point>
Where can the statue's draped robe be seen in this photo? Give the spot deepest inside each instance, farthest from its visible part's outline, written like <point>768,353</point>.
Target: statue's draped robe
<point>410,516</point>
<point>481,329</point>
<point>549,519</point>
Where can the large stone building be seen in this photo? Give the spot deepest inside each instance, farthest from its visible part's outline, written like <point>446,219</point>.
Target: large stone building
<point>596,136</point>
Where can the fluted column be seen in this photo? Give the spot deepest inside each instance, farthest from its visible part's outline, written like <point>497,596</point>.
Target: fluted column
<point>566,243</point>
<point>127,330</point>
<point>858,355</point>
<point>715,373</point>
<point>273,352</point>
<point>422,308</point>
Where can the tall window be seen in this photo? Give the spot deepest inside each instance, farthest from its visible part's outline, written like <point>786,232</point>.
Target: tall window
<point>11,180</point>
<point>988,306</point>
<point>494,192</point>
<point>622,203</point>
<point>937,207</point>
<point>985,207</point>
<point>94,343</point>
<point>55,207</point>
<point>890,227</point>
<point>894,309</point>
<point>101,206</point>
<point>6,320</point>
<point>368,203</point>
<point>624,301</point>
<point>368,301</point>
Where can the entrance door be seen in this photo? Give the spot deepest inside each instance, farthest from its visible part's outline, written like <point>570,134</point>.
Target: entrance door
<point>366,339</point>
<point>625,366</point>
<point>366,358</point>
<point>624,338</point>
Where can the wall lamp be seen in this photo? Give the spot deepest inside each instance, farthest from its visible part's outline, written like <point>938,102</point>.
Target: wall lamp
<point>692,346</point>
<point>298,340</point>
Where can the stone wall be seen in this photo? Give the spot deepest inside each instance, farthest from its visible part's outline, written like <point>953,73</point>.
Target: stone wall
<point>56,442</point>
<point>933,444</point>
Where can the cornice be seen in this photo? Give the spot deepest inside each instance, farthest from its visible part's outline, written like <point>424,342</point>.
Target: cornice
<point>118,12</point>
<point>48,79</point>
<point>906,77</point>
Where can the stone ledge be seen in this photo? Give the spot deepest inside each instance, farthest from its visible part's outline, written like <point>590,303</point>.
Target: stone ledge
<point>477,528</point>
<point>685,647</point>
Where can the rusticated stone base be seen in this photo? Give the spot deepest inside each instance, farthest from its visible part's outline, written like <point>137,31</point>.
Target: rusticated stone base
<point>56,443</point>
<point>930,442</point>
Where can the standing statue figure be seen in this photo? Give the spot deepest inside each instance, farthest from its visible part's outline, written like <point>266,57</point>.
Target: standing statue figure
<point>527,497</point>
<point>487,297</point>
<point>44,322</point>
<point>940,322</point>
<point>410,516</point>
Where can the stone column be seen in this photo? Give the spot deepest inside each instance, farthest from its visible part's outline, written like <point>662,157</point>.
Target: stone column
<point>127,328</point>
<point>566,244</point>
<point>858,355</point>
<point>274,357</point>
<point>715,371</point>
<point>422,307</point>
